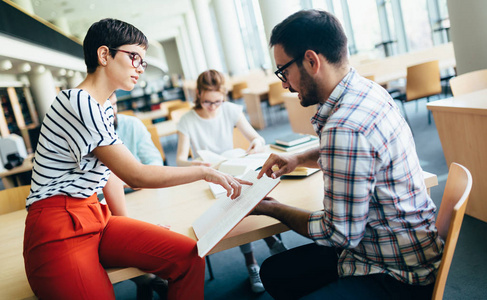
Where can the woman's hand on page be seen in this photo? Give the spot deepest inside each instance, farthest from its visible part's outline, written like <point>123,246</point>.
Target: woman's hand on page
<point>284,163</point>
<point>256,146</point>
<point>231,184</point>
<point>200,163</point>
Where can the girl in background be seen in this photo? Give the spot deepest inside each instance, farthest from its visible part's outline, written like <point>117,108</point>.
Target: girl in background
<point>209,126</point>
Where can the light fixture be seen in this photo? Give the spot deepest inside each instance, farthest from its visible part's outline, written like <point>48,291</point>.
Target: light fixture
<point>61,72</point>
<point>70,73</point>
<point>6,65</point>
<point>40,69</point>
<point>25,67</point>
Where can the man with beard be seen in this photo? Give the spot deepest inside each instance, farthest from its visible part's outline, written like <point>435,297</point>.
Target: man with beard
<point>376,236</point>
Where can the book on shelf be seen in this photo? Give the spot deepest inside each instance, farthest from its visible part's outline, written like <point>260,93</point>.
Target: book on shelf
<point>215,223</point>
<point>293,139</point>
<point>313,141</point>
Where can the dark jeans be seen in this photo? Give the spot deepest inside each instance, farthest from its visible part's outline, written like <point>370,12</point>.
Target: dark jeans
<point>310,272</point>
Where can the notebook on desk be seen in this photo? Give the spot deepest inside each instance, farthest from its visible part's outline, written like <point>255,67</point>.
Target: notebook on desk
<point>214,224</point>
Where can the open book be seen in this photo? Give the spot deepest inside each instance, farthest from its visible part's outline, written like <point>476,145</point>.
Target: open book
<point>232,162</point>
<point>214,224</point>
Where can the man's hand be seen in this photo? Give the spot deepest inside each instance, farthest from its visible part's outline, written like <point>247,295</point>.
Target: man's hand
<point>231,184</point>
<point>285,163</point>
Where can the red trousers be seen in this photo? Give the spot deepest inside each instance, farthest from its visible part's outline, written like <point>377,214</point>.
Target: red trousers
<point>68,242</point>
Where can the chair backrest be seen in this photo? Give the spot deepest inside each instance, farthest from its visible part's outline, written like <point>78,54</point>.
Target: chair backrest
<point>128,112</point>
<point>239,140</point>
<point>450,218</point>
<point>178,113</point>
<point>167,104</point>
<point>155,139</point>
<point>469,82</point>
<point>13,199</point>
<point>182,105</point>
<point>275,93</point>
<point>238,88</point>
<point>299,116</point>
<point>423,80</point>
<point>370,77</point>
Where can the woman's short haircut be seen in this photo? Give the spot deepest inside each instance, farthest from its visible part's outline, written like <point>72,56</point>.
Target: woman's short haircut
<point>315,30</point>
<point>210,80</point>
<point>113,34</point>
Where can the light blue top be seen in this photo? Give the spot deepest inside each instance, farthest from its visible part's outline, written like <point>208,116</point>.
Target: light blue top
<point>138,140</point>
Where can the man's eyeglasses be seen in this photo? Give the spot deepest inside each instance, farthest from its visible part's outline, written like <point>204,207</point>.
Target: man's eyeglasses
<point>209,103</point>
<point>136,58</point>
<point>280,71</point>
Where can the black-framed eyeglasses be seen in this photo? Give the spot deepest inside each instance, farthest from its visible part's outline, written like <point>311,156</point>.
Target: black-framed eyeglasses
<point>280,71</point>
<point>208,103</point>
<point>136,58</point>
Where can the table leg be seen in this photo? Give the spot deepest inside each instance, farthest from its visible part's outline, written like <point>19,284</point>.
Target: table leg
<point>252,101</point>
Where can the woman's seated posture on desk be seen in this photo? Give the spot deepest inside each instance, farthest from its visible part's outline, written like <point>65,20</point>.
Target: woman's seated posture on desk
<point>69,236</point>
<point>209,126</point>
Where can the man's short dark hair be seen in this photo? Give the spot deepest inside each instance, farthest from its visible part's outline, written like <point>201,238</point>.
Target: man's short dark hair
<point>113,34</point>
<point>315,30</point>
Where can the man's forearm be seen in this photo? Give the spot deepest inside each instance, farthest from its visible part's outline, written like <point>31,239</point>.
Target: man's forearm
<point>309,158</point>
<point>293,217</point>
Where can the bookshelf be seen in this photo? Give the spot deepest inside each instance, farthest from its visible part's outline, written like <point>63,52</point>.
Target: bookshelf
<point>19,114</point>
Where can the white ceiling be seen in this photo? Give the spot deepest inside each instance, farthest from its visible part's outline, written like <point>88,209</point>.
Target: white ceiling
<point>156,18</point>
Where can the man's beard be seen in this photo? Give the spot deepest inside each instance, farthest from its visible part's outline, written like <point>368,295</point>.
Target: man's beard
<point>308,89</point>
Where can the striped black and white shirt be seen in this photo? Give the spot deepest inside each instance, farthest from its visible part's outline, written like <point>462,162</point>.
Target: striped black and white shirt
<point>64,163</point>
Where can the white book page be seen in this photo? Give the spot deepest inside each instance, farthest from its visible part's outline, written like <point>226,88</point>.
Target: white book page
<point>225,214</point>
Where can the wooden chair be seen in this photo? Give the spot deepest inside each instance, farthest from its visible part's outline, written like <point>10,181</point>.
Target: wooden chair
<point>128,112</point>
<point>422,81</point>
<point>155,139</point>
<point>182,105</point>
<point>13,199</point>
<point>469,82</point>
<point>449,220</point>
<point>178,113</point>
<point>237,90</point>
<point>299,116</point>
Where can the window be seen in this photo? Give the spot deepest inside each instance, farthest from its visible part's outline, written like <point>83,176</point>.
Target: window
<point>417,24</point>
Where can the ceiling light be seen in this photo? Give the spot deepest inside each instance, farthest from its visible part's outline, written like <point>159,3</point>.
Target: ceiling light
<point>40,69</point>
<point>61,72</point>
<point>70,73</point>
<point>24,68</point>
<point>5,65</point>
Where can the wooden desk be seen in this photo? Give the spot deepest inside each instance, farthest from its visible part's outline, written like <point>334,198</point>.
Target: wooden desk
<point>462,124</point>
<point>164,206</point>
<point>395,67</point>
<point>10,178</point>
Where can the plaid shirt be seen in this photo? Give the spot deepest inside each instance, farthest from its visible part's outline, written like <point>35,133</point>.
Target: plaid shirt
<point>376,206</point>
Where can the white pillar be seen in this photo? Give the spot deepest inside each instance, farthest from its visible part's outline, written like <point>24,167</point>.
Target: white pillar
<point>75,80</point>
<point>195,40</point>
<point>274,12</point>
<point>467,18</point>
<point>43,91</point>
<point>207,34</point>
<point>233,47</point>
<point>62,23</point>
<point>26,5</point>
